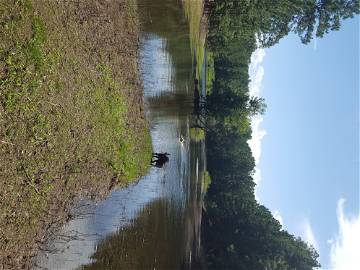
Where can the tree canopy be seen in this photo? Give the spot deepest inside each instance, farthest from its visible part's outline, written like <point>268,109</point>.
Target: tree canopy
<point>238,232</point>
<point>272,20</point>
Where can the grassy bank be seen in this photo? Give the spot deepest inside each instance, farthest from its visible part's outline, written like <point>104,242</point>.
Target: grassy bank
<point>198,28</point>
<point>71,115</point>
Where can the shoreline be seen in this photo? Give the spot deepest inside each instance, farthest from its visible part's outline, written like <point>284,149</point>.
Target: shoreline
<point>72,120</point>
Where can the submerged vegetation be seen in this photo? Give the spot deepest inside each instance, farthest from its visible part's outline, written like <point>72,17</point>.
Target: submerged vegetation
<point>71,116</point>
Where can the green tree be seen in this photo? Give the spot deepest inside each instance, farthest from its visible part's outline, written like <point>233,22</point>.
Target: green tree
<point>256,106</point>
<point>238,232</point>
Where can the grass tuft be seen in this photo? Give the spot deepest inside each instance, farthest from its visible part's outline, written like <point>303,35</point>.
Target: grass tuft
<point>197,134</point>
<point>34,48</point>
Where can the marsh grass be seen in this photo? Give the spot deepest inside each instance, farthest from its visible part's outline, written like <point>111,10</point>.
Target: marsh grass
<point>71,114</point>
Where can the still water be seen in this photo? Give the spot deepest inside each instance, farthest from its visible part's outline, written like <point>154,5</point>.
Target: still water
<point>154,223</point>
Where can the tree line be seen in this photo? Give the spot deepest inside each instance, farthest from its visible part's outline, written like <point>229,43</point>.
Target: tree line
<point>238,232</point>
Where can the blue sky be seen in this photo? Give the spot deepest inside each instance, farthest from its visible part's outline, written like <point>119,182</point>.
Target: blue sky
<point>307,143</point>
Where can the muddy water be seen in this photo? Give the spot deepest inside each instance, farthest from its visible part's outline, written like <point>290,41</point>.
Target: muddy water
<point>155,223</point>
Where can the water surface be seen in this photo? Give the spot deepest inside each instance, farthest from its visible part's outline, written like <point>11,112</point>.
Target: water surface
<point>155,223</point>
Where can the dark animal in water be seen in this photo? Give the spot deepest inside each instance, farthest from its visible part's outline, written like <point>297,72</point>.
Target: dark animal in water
<point>159,159</point>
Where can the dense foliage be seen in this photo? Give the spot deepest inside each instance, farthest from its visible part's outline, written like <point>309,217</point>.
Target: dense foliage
<point>272,20</point>
<point>238,232</point>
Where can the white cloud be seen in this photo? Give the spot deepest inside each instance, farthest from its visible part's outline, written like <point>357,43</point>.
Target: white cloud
<point>315,42</point>
<point>277,215</point>
<point>345,246</point>
<point>256,177</point>
<point>308,235</point>
<point>256,74</point>
<point>257,135</point>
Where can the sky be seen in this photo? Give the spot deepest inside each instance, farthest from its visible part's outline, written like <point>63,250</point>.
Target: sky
<point>306,145</point>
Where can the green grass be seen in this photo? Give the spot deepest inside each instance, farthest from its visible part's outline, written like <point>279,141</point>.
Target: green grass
<point>34,48</point>
<point>71,118</point>
<point>110,118</point>
<point>198,32</point>
<point>193,11</point>
<point>206,181</point>
<point>197,134</point>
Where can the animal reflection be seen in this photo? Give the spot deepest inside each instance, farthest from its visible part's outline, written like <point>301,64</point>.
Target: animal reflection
<point>159,159</point>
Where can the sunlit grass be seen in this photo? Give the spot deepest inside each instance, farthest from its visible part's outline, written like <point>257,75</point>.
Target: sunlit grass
<point>194,12</point>
<point>206,181</point>
<point>197,134</point>
<point>198,26</point>
<point>71,118</point>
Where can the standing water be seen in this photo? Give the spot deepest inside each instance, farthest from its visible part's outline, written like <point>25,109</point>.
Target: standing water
<point>155,223</point>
